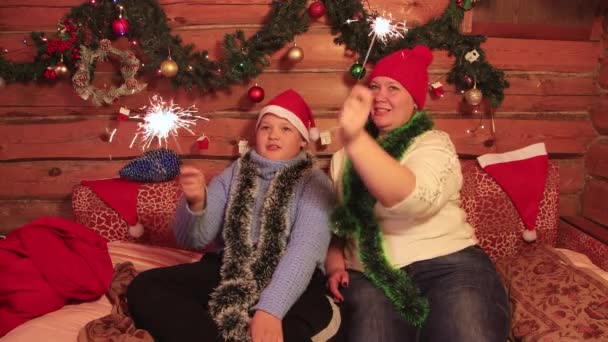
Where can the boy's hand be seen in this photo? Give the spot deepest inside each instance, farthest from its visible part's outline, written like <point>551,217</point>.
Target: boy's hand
<point>355,112</point>
<point>265,327</point>
<point>336,279</point>
<point>192,182</point>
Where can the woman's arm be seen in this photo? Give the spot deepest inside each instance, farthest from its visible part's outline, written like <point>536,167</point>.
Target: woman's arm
<point>386,179</point>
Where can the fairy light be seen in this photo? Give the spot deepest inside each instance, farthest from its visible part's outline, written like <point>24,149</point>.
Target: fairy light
<point>163,120</point>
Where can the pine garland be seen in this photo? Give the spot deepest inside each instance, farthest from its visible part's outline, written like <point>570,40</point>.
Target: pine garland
<point>244,58</point>
<point>355,219</point>
<point>441,33</point>
<point>247,57</point>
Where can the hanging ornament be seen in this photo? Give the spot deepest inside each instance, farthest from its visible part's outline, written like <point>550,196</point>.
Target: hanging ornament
<point>437,90</point>
<point>325,138</point>
<point>472,56</point>
<point>168,68</point>
<point>295,54</point>
<point>467,81</point>
<point>473,96</point>
<point>256,94</point>
<point>2,82</point>
<point>61,70</point>
<point>129,65</point>
<point>120,25</point>
<point>316,9</point>
<point>466,4</point>
<point>357,71</point>
<point>123,114</point>
<point>202,143</point>
<point>50,73</point>
<point>243,146</point>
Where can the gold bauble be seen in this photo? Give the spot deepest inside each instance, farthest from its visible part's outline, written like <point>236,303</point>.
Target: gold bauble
<point>61,70</point>
<point>473,96</point>
<point>295,54</point>
<point>168,68</point>
<point>2,82</point>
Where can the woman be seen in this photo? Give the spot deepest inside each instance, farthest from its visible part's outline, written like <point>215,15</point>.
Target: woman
<point>406,263</point>
<point>268,212</point>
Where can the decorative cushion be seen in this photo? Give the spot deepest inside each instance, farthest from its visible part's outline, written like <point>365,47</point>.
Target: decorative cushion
<point>552,299</point>
<point>576,240</point>
<point>497,223</point>
<point>156,203</point>
<point>489,210</point>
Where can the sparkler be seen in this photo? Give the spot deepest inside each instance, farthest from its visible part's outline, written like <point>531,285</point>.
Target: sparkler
<point>382,29</point>
<point>163,120</point>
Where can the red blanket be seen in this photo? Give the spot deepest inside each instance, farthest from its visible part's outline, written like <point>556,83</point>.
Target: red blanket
<point>46,264</point>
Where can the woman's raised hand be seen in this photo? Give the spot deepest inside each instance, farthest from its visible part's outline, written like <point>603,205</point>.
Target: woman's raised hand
<point>355,112</point>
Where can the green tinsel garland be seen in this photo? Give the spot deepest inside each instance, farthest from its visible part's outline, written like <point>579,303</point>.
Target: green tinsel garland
<point>246,58</point>
<point>355,218</point>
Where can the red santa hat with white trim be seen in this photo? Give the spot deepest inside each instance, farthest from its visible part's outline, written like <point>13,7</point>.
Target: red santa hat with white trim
<point>290,106</point>
<point>121,195</point>
<point>522,174</point>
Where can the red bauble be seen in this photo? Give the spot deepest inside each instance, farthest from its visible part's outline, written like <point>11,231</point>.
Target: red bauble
<point>316,9</point>
<point>50,74</point>
<point>256,94</point>
<point>120,26</point>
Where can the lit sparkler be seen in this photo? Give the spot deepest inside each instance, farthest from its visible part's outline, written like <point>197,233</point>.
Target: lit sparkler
<point>382,29</point>
<point>163,120</point>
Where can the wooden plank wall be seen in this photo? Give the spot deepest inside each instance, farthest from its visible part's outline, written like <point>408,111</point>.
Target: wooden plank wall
<point>50,139</point>
<point>595,193</point>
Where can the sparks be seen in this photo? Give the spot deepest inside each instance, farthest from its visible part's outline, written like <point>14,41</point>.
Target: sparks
<point>163,120</point>
<point>383,29</point>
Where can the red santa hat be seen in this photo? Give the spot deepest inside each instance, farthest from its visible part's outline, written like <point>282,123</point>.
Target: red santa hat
<point>121,195</point>
<point>291,106</point>
<point>522,174</point>
<point>409,67</point>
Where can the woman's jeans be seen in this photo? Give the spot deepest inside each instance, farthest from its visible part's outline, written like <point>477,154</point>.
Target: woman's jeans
<point>467,300</point>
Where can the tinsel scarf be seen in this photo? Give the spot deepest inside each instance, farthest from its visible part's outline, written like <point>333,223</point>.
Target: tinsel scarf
<point>246,270</point>
<point>355,218</point>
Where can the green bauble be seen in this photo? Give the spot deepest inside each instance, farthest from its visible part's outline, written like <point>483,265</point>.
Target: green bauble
<point>467,4</point>
<point>357,71</point>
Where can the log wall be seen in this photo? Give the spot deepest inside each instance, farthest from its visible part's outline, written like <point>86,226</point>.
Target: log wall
<point>50,139</point>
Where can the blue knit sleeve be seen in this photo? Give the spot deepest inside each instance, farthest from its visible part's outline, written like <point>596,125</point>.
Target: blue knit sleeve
<point>196,230</point>
<point>306,249</point>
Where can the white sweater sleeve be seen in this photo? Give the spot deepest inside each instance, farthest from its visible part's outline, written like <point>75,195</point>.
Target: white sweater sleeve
<point>434,162</point>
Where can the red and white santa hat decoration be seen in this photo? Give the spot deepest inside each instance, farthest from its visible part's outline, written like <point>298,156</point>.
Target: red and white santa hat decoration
<point>121,195</point>
<point>522,174</point>
<point>291,106</point>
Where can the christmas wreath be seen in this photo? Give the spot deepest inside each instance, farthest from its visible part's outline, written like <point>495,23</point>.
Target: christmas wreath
<point>129,65</point>
<point>245,58</point>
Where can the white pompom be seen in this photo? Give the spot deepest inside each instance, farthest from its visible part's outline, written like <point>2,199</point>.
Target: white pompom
<point>137,230</point>
<point>313,133</point>
<point>529,235</point>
